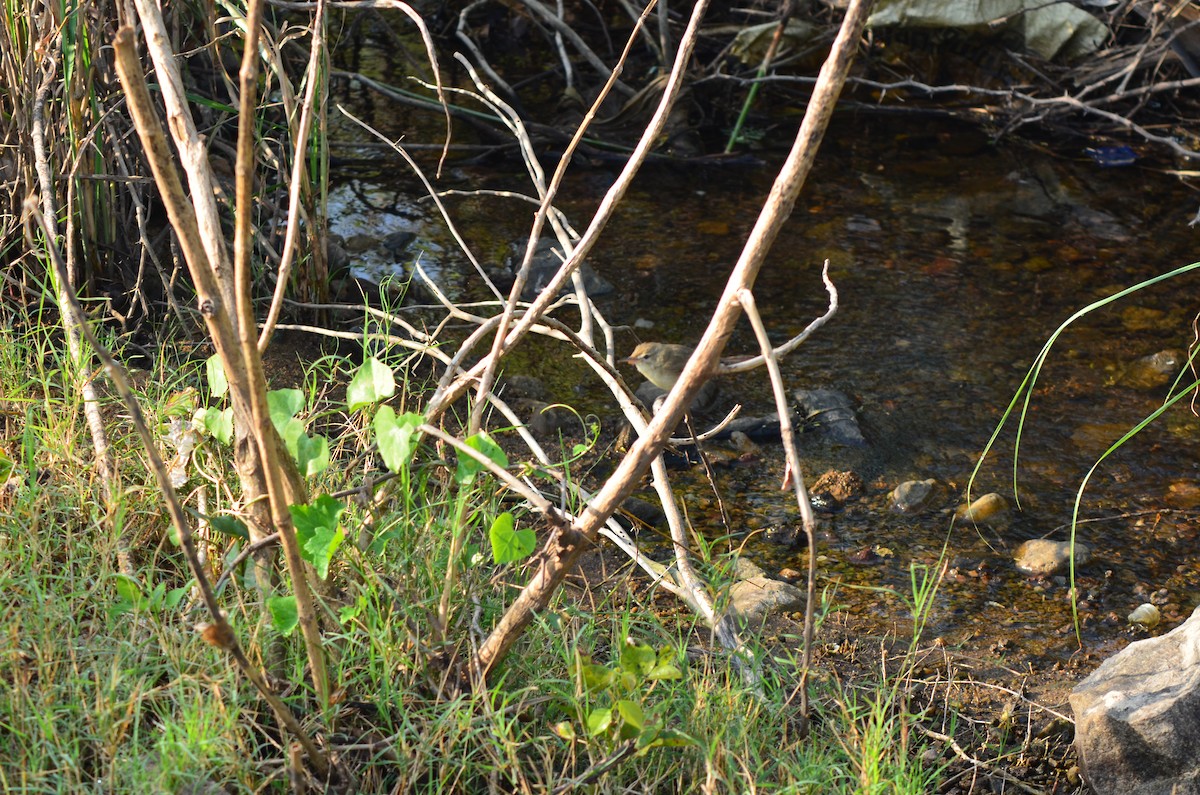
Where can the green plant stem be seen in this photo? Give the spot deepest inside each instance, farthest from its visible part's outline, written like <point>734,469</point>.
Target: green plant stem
<point>457,538</point>
<point>784,16</point>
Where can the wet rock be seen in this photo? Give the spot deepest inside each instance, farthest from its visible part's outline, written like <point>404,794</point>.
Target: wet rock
<point>359,243</point>
<point>524,386</point>
<point>1137,717</point>
<point>865,556</point>
<point>1144,318</point>
<point>784,535</point>
<point>398,243</point>
<point>546,263</point>
<point>1099,224</point>
<point>743,444</point>
<point>1091,435</point>
<point>705,399</point>
<point>646,512</point>
<point>762,428</point>
<point>546,421</point>
<point>912,496</point>
<point>752,601</point>
<point>841,486</point>
<point>861,224</point>
<point>1041,557</point>
<point>336,257</point>
<point>833,413</point>
<point>1184,494</point>
<point>1153,371</point>
<point>791,575</point>
<point>823,503</point>
<point>989,509</point>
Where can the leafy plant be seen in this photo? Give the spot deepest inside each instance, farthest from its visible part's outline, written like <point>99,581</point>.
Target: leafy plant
<point>614,695</point>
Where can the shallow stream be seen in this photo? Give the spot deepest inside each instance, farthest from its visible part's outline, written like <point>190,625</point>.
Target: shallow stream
<point>955,260</point>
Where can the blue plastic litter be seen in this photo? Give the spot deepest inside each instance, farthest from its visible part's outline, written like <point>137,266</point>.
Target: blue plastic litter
<point>1112,156</point>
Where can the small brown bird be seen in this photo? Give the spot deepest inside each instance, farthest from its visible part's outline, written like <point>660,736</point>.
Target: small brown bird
<point>660,362</point>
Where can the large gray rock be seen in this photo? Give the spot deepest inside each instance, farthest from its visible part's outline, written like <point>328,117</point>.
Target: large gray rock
<point>1137,717</point>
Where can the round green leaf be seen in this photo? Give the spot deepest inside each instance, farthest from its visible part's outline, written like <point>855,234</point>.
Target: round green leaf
<point>372,382</point>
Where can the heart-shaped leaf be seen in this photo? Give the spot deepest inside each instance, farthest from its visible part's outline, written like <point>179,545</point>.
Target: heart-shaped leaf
<point>282,405</point>
<point>395,436</point>
<point>372,382</point>
<point>509,544</point>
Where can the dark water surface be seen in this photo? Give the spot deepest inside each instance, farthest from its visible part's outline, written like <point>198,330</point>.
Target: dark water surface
<point>955,261</point>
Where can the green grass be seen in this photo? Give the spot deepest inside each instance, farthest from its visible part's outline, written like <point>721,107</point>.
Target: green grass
<point>137,702</point>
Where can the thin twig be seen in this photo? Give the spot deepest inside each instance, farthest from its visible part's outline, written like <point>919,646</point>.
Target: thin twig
<point>788,437</point>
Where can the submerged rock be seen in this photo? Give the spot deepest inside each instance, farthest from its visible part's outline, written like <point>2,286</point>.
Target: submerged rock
<point>1041,557</point>
<point>784,535</point>
<point>1153,371</point>
<point>833,413</point>
<point>1137,717</point>
<point>989,509</point>
<point>545,264</point>
<point>912,496</point>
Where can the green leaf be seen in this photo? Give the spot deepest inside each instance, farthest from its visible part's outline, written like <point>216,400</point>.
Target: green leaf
<point>284,614</point>
<point>598,721</point>
<point>282,405</point>
<point>394,435</point>
<point>6,468</point>
<point>291,430</point>
<point>312,454</point>
<point>638,658</point>
<point>668,738</point>
<point>218,385</point>
<point>372,382</point>
<point>664,667</point>
<point>129,589</point>
<point>508,544</point>
<point>319,549</point>
<point>596,677</point>
<point>318,532</point>
<point>663,670</point>
<point>632,718</point>
<point>350,612</point>
<point>175,596</point>
<point>218,423</point>
<point>468,467</point>
<point>229,525</point>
